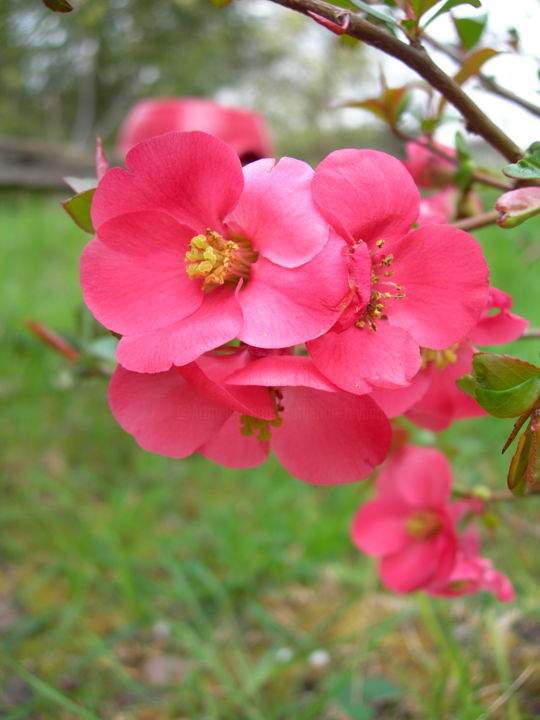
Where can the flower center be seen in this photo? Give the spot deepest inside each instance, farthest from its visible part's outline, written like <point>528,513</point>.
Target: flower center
<point>423,524</point>
<point>250,425</point>
<point>218,260</point>
<point>441,358</point>
<point>382,288</point>
<point>256,426</point>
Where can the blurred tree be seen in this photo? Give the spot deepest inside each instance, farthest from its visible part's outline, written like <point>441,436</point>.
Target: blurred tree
<point>70,77</point>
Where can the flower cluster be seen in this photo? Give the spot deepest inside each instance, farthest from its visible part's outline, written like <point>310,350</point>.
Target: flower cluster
<point>277,306</point>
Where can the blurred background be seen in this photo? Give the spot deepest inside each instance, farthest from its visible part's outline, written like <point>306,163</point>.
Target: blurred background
<point>134,587</point>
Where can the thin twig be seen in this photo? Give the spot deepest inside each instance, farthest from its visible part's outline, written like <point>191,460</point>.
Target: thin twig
<point>477,221</point>
<point>415,57</point>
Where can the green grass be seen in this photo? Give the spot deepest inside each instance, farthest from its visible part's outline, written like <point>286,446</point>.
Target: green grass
<point>121,569</point>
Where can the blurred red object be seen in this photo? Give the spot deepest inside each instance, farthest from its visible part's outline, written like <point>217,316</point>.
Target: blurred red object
<point>244,130</point>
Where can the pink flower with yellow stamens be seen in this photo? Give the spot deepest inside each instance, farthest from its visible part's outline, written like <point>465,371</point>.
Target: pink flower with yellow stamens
<point>405,289</point>
<point>192,251</point>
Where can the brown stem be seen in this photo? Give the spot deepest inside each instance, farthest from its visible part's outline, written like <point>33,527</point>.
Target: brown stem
<point>487,82</point>
<point>415,57</point>
<point>477,221</point>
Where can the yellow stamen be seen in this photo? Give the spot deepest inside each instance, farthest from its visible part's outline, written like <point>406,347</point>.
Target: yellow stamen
<point>423,524</point>
<point>217,260</point>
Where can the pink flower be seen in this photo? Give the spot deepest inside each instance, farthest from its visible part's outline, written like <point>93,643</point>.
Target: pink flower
<point>428,169</point>
<point>409,524</point>
<point>405,289</point>
<point>244,130</point>
<point>218,407</point>
<point>471,572</point>
<point>433,400</point>
<point>191,252</point>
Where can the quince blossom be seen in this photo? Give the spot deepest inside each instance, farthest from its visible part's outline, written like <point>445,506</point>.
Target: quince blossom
<point>222,407</point>
<point>405,289</point>
<point>409,524</point>
<point>244,130</point>
<point>192,251</point>
<point>428,169</point>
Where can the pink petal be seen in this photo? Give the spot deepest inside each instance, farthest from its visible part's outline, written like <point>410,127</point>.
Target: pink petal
<point>445,277</point>
<point>443,402</point>
<point>357,358</point>
<point>286,306</point>
<point>282,370</point>
<point>230,448</point>
<point>330,438</point>
<point>163,413</point>
<point>254,401</point>
<point>217,321</point>
<point>193,176</point>
<point>132,287</point>
<point>418,476</point>
<point>379,527</point>
<point>414,567</point>
<point>366,194</point>
<point>396,401</point>
<point>438,208</point>
<point>500,327</point>
<point>276,212</point>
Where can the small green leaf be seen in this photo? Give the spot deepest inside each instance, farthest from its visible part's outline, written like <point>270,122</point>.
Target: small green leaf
<point>465,168</point>
<point>528,168</point>
<point>78,208</point>
<point>505,386</point>
<point>383,15</point>
<point>58,5</point>
<point>450,5</point>
<point>221,3</point>
<point>470,29</point>
<point>519,465</point>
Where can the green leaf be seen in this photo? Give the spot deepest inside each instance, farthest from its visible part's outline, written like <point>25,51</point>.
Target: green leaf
<point>501,372</point>
<point>78,208</point>
<point>58,5</point>
<point>505,386</point>
<point>470,29</point>
<point>221,3</point>
<point>450,5</point>
<point>519,465</point>
<point>528,168</point>
<point>465,168</point>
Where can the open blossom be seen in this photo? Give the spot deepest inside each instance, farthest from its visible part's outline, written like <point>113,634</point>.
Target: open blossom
<point>244,130</point>
<point>192,251</point>
<point>409,524</point>
<point>433,400</point>
<point>221,407</point>
<point>428,169</point>
<point>404,289</point>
